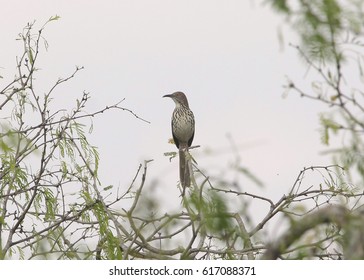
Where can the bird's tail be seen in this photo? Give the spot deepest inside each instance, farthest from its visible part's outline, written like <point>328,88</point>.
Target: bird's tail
<point>184,172</point>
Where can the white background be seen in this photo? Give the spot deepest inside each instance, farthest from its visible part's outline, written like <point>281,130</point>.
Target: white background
<point>226,57</point>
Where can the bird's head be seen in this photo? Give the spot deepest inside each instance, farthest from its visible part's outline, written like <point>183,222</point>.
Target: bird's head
<point>179,98</point>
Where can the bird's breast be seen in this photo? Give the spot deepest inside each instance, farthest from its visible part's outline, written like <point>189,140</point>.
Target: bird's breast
<point>183,124</point>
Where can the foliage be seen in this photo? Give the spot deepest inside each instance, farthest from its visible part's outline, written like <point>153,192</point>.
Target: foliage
<point>50,202</point>
<point>53,205</point>
<point>324,26</point>
<point>334,29</point>
<point>331,34</point>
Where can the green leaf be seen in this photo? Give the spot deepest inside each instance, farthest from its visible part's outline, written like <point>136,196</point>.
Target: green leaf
<point>328,124</point>
<point>217,217</point>
<point>56,17</point>
<point>30,56</point>
<point>108,187</point>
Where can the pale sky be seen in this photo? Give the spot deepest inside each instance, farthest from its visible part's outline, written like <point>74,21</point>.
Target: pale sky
<point>225,56</point>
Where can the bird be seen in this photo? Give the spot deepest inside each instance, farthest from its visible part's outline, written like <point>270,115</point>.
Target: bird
<point>183,131</point>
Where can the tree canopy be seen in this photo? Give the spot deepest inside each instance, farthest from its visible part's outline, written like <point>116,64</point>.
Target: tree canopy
<point>53,204</point>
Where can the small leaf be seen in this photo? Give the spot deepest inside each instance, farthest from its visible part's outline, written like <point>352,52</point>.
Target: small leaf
<point>30,56</point>
<point>328,125</point>
<point>54,18</point>
<point>334,97</point>
<point>108,187</point>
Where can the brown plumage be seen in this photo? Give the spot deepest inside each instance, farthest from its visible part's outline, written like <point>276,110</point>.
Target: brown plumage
<point>183,131</point>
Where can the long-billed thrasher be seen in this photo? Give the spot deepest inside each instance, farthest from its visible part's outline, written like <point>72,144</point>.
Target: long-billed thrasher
<point>183,130</point>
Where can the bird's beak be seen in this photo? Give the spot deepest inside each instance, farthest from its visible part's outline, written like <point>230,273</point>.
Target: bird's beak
<point>167,95</point>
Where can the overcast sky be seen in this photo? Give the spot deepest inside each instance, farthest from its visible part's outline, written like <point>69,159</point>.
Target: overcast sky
<point>226,57</point>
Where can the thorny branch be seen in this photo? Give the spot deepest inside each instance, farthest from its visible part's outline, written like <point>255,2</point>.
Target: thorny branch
<point>58,208</point>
